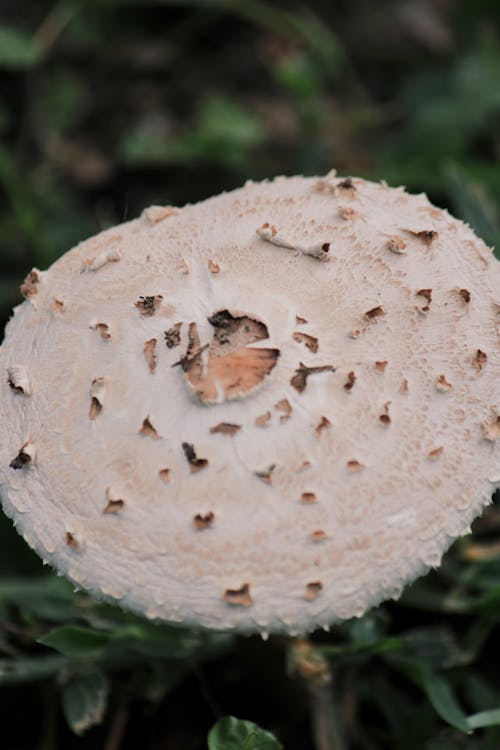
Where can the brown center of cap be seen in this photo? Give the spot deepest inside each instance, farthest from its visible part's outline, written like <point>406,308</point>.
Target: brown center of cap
<point>228,367</point>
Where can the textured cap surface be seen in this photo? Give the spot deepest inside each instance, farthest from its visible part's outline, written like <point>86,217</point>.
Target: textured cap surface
<point>267,411</point>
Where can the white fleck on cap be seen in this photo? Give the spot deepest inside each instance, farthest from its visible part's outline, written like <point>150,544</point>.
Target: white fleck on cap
<point>265,412</point>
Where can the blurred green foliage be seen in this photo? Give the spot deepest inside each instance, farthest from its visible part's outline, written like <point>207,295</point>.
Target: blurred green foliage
<point>107,106</point>
<point>233,734</point>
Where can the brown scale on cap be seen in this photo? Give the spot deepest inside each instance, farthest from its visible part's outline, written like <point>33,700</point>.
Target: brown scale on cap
<point>103,329</point>
<point>347,213</point>
<point>308,498</point>
<point>263,419</point>
<point>427,295</point>
<point>265,475</point>
<point>107,255</point>
<point>427,236</point>
<point>21,460</point>
<point>191,361</point>
<point>95,408</point>
<point>113,505</point>
<point>433,212</point>
<point>14,387</point>
<point>491,429</point>
<point>148,430</point>
<point>29,287</point>
<point>203,521</point>
<point>164,475</point>
<point>442,384</point>
<point>384,418</point>
<point>299,379</point>
<point>147,306</point>
<point>374,313</point>
<point>353,465</point>
<point>57,306</point>
<point>404,387</point>
<point>313,590</point>
<point>71,540</point>
<point>196,464</point>
<point>213,267</point>
<point>150,354</point>
<point>380,365</point>
<point>173,336</point>
<point>465,295</point>
<point>323,424</point>
<point>300,321</point>
<point>351,379</point>
<point>318,535</point>
<point>311,342</point>
<point>479,360</point>
<point>232,366</point>
<point>270,229</point>
<point>435,453</point>
<point>225,428</point>
<point>324,184</point>
<point>96,398</point>
<point>18,380</point>
<point>238,597</point>
<point>346,184</point>
<point>269,233</point>
<point>284,406</point>
<point>396,245</point>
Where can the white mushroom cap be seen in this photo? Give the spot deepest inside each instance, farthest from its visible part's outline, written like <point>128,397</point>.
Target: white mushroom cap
<point>267,411</point>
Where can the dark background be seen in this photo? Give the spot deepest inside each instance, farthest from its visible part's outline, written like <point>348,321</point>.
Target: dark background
<point>107,106</point>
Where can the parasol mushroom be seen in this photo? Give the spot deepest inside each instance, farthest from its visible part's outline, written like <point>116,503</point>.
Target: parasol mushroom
<point>268,411</point>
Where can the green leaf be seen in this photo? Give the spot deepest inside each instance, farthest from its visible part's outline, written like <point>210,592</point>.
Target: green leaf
<point>84,699</point>
<point>444,702</point>
<point>19,671</point>
<point>234,734</point>
<point>17,49</point>
<point>222,119</point>
<point>75,641</point>
<point>435,647</point>
<point>298,75</point>
<point>47,597</point>
<point>225,131</point>
<point>375,647</point>
<point>483,719</point>
<point>437,690</point>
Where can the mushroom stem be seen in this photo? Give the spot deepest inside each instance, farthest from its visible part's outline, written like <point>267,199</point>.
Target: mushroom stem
<point>318,681</point>
<point>118,729</point>
<point>326,730</point>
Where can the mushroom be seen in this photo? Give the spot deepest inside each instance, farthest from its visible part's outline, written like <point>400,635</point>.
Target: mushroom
<point>250,474</point>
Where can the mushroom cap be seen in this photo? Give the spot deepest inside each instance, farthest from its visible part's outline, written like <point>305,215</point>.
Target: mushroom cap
<point>268,411</point>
